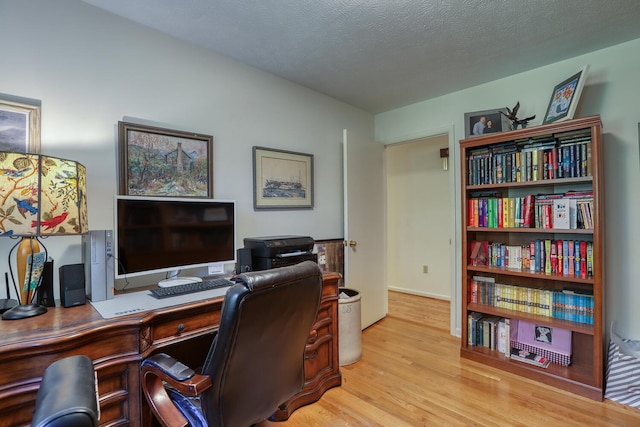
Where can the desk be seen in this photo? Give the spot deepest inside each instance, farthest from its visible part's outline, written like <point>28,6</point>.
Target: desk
<point>118,345</point>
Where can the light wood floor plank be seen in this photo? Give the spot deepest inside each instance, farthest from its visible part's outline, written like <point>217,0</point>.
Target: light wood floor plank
<point>411,374</point>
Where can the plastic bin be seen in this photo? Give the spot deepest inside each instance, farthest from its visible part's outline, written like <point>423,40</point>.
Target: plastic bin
<point>349,327</point>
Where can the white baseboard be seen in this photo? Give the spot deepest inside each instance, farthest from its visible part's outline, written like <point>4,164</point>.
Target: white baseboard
<point>419,293</point>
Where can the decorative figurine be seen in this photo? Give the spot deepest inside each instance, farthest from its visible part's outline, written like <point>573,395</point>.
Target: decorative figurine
<point>515,122</point>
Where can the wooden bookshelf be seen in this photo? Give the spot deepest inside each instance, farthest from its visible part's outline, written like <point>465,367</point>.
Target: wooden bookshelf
<point>503,166</point>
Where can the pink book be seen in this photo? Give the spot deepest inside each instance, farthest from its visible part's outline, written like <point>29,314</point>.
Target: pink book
<point>553,339</point>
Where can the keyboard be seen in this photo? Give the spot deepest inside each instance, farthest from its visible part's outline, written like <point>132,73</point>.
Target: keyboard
<point>189,288</point>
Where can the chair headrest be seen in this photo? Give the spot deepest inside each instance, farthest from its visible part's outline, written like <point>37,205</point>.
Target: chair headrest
<point>257,280</point>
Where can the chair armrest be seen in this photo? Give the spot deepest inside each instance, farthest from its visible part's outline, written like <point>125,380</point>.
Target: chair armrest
<point>175,374</point>
<point>67,396</point>
<point>162,367</point>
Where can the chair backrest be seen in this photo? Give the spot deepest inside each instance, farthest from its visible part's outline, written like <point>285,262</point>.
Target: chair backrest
<point>257,359</point>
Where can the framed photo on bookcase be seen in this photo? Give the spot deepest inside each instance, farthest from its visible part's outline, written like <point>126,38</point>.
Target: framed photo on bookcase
<point>565,97</point>
<point>484,122</point>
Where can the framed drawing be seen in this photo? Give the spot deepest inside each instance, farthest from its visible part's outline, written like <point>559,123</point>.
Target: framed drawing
<point>282,179</point>
<point>483,122</point>
<point>19,124</point>
<point>163,162</point>
<point>565,96</point>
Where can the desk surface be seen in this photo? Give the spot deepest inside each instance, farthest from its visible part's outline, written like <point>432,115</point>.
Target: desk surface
<point>60,321</point>
<point>117,345</point>
<point>143,301</point>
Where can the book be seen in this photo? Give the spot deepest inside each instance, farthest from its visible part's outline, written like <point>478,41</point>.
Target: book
<point>503,337</point>
<point>514,260</point>
<point>474,317</point>
<point>561,213</point>
<point>479,253</point>
<point>551,342</point>
<point>529,357</point>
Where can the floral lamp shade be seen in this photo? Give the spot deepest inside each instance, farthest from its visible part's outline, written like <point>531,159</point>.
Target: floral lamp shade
<point>41,196</point>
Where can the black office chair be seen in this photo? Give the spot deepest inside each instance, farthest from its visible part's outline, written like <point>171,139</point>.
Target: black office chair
<point>256,361</point>
<point>67,395</point>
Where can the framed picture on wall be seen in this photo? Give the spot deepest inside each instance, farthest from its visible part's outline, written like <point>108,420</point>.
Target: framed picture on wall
<point>565,97</point>
<point>156,161</point>
<point>484,122</point>
<point>282,179</point>
<point>20,124</point>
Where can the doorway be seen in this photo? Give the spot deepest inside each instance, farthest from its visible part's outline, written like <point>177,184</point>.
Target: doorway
<point>419,218</point>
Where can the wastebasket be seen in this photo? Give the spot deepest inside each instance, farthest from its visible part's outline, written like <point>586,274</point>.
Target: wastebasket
<point>349,327</point>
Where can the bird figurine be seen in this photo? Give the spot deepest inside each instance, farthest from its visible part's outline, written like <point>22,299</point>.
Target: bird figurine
<point>515,121</point>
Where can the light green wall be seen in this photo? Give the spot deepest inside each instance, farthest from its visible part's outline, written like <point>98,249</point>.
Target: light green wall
<point>611,90</point>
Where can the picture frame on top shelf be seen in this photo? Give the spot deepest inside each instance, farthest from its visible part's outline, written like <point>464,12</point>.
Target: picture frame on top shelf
<point>20,117</point>
<point>565,97</point>
<point>155,161</point>
<point>282,179</point>
<point>499,122</point>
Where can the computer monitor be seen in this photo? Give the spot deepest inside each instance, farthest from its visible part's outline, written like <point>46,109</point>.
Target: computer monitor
<point>163,234</point>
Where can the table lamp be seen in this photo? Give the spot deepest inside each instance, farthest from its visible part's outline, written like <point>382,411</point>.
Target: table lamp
<point>40,196</point>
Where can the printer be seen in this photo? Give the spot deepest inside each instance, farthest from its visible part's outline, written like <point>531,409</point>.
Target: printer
<point>279,251</point>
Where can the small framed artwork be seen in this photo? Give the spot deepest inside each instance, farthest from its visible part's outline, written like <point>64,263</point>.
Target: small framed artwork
<point>565,97</point>
<point>19,124</point>
<point>282,179</point>
<point>162,162</point>
<point>484,122</point>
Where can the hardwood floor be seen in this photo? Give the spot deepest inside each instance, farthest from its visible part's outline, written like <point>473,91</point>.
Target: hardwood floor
<point>411,374</point>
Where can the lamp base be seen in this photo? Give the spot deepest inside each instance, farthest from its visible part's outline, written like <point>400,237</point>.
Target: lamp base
<point>6,304</point>
<point>23,311</point>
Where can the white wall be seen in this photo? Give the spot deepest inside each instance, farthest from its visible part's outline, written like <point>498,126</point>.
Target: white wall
<point>91,69</point>
<point>613,92</point>
<point>418,218</point>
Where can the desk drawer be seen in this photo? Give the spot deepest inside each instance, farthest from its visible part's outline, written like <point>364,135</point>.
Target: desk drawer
<point>172,329</point>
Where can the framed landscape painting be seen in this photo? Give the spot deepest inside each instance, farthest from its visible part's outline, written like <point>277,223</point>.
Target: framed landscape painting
<point>163,162</point>
<point>282,179</point>
<point>19,124</point>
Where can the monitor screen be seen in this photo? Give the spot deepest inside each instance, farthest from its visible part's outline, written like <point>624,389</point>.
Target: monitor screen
<point>160,234</point>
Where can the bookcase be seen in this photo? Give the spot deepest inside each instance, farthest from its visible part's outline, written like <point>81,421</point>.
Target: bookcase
<point>532,251</point>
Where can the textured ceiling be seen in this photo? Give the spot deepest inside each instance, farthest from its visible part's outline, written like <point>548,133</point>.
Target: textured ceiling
<point>383,54</point>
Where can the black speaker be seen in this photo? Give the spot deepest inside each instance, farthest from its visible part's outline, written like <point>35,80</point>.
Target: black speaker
<point>243,263</point>
<point>72,287</point>
<point>45,290</point>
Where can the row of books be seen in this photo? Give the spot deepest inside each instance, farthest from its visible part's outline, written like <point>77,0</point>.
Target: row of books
<point>567,258</point>
<point>488,331</point>
<point>524,341</point>
<point>546,159</point>
<point>570,210</point>
<point>575,305</point>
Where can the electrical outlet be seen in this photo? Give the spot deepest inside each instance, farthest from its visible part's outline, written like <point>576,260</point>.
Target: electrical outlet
<point>425,269</point>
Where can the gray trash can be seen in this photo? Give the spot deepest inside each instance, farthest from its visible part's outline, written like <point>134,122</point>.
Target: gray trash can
<point>349,326</point>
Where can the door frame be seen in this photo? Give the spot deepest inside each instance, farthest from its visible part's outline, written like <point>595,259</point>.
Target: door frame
<point>454,202</point>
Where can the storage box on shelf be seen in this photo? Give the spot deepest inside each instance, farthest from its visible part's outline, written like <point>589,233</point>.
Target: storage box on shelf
<point>532,249</point>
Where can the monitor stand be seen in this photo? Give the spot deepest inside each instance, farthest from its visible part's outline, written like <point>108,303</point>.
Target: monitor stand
<point>175,281</point>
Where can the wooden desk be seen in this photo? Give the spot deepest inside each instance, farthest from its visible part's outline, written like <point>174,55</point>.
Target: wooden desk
<point>117,346</point>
